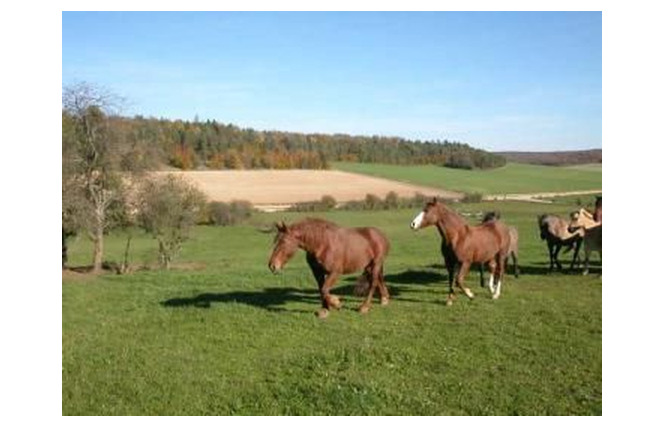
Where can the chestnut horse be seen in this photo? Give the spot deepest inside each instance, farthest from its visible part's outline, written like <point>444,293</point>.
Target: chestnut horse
<point>333,251</point>
<point>513,251</point>
<point>462,244</point>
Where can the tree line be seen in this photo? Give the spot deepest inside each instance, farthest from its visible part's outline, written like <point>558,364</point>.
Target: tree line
<point>213,145</point>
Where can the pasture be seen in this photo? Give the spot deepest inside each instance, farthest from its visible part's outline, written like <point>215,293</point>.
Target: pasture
<point>512,178</point>
<point>220,334</point>
<point>270,188</point>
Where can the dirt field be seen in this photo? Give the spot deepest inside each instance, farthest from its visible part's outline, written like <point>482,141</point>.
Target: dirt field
<point>274,189</point>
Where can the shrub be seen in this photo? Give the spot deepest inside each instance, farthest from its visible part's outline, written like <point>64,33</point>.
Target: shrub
<point>372,202</point>
<point>328,202</point>
<point>241,210</point>
<point>219,213</point>
<point>392,200</point>
<point>472,197</point>
<point>227,214</point>
<point>168,208</point>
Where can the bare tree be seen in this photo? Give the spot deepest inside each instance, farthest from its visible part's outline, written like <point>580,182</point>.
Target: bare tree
<point>95,154</point>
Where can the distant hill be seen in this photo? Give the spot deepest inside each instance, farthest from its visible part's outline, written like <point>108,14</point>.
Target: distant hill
<point>575,157</point>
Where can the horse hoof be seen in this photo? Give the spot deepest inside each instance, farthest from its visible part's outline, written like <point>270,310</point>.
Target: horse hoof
<point>449,302</point>
<point>335,302</point>
<point>495,296</point>
<point>363,309</point>
<point>384,301</point>
<point>322,313</point>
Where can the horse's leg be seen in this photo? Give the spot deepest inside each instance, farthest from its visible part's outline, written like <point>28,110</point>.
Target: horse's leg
<point>576,245</point>
<point>516,268</point>
<point>319,274</point>
<point>328,300</point>
<point>459,279</point>
<point>450,267</point>
<point>374,283</point>
<point>557,248</point>
<point>587,252</point>
<point>492,268</point>
<point>383,289</point>
<point>482,278</point>
<point>550,249</point>
<point>500,267</point>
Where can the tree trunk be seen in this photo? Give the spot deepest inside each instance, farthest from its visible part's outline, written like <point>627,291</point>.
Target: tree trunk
<point>125,263</point>
<point>64,248</point>
<point>98,240</point>
<point>163,255</point>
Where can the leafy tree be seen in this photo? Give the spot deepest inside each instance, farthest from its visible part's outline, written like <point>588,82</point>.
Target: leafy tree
<point>168,207</point>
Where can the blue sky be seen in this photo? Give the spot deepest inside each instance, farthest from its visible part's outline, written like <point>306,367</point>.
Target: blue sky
<point>498,81</point>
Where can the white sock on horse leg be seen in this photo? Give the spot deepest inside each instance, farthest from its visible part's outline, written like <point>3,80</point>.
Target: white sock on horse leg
<point>498,290</point>
<point>491,283</point>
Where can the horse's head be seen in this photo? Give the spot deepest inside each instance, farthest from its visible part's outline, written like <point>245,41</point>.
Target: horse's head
<point>286,244</point>
<point>427,216</point>
<point>580,219</point>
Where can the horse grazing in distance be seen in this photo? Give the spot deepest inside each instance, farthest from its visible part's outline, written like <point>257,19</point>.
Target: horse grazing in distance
<point>332,251</point>
<point>486,244</point>
<point>592,231</point>
<point>513,250</point>
<point>554,230</point>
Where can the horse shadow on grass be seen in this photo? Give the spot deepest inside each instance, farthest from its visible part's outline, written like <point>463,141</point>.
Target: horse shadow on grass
<point>543,269</point>
<point>270,299</point>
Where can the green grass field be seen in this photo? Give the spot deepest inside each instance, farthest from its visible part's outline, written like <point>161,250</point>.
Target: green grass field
<point>512,178</point>
<point>222,335</point>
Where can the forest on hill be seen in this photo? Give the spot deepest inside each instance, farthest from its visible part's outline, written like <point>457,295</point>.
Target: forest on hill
<point>212,145</point>
<point>571,157</point>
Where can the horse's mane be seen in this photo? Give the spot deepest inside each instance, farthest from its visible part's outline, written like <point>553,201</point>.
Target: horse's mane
<point>312,230</point>
<point>491,216</point>
<point>586,213</point>
<point>456,218</point>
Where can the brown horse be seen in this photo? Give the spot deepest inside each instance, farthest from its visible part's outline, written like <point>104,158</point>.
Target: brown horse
<point>333,251</point>
<point>486,244</point>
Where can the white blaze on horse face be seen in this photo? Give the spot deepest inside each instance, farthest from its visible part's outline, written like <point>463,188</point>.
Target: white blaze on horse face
<point>415,224</point>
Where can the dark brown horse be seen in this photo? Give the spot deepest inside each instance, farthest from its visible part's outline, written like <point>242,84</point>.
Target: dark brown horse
<point>462,244</point>
<point>598,210</point>
<point>333,251</point>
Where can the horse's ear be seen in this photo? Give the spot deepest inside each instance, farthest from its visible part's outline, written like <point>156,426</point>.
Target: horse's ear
<point>434,200</point>
<point>281,226</point>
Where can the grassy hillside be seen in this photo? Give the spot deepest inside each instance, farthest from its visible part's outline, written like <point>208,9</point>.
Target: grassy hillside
<point>222,335</point>
<point>512,178</point>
